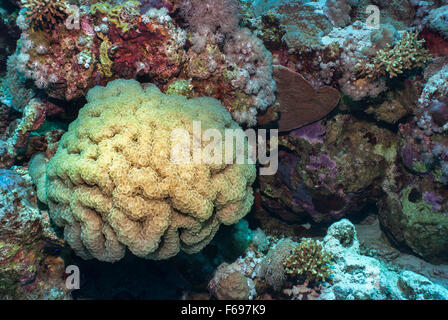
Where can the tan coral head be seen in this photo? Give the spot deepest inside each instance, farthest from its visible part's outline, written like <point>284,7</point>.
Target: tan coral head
<point>112,186</point>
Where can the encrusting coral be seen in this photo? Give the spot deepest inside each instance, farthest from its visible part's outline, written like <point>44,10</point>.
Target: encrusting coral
<point>309,261</point>
<point>112,184</point>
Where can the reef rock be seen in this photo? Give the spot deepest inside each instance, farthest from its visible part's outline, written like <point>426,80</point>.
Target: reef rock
<point>326,172</point>
<point>232,286</point>
<point>27,271</point>
<point>359,277</point>
<point>414,214</point>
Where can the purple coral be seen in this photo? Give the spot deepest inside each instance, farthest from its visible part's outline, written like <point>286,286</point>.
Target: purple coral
<point>439,111</point>
<point>321,162</point>
<point>312,133</point>
<point>145,5</point>
<point>433,199</point>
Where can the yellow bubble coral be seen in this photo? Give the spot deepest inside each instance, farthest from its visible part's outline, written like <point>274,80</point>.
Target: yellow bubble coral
<point>112,186</point>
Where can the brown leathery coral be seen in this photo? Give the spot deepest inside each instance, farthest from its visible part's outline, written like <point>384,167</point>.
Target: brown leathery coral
<point>300,103</point>
<point>112,186</point>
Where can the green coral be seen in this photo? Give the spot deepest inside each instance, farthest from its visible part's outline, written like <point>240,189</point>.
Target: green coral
<point>309,262</point>
<point>242,102</point>
<point>420,167</point>
<point>425,230</point>
<point>181,87</point>
<point>420,211</point>
<point>105,61</point>
<point>115,13</point>
<point>406,54</point>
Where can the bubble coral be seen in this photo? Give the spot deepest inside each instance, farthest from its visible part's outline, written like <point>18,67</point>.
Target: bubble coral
<point>112,186</point>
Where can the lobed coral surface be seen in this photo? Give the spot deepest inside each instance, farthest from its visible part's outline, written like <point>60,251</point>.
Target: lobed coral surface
<point>112,183</point>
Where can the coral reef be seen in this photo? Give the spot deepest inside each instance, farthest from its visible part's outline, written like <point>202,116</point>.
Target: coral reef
<point>96,52</point>
<point>120,189</point>
<point>354,275</point>
<point>25,233</point>
<point>113,115</point>
<point>124,41</point>
<point>316,177</point>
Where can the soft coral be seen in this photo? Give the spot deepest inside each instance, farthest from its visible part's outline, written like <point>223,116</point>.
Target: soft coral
<point>213,15</point>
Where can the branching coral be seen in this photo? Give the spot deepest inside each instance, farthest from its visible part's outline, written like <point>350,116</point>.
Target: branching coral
<point>309,262</point>
<point>44,14</point>
<point>406,54</point>
<point>112,183</point>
